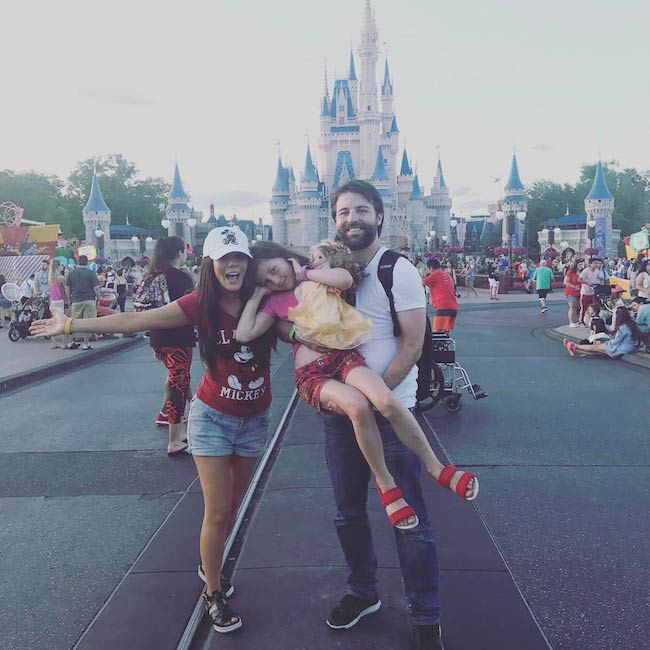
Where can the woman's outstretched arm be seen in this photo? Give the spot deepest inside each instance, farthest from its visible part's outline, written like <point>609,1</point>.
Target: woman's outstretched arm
<point>166,317</point>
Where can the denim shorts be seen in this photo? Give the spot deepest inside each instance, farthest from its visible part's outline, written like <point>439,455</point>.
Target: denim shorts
<point>212,433</point>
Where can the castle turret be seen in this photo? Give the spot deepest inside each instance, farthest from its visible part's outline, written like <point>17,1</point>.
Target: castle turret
<point>599,206</point>
<point>178,210</point>
<point>415,213</point>
<point>440,202</point>
<point>309,201</point>
<point>280,203</point>
<point>369,117</point>
<point>404,182</point>
<point>387,113</point>
<point>97,215</point>
<point>514,200</point>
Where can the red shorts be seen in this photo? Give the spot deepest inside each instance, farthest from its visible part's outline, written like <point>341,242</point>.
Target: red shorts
<point>444,320</point>
<point>335,364</point>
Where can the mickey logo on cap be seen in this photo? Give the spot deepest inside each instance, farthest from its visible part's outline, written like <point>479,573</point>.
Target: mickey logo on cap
<point>229,237</point>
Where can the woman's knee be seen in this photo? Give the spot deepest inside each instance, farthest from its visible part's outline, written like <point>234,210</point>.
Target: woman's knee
<point>217,518</point>
<point>357,407</point>
<point>388,405</point>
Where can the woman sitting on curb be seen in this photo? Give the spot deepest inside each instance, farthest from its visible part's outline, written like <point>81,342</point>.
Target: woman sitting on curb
<point>626,338</point>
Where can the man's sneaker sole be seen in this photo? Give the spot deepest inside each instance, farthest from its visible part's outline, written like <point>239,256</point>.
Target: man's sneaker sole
<point>368,610</point>
<point>230,628</point>
<point>227,593</point>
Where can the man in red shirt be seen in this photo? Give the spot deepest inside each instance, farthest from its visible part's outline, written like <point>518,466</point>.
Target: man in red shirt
<point>443,296</point>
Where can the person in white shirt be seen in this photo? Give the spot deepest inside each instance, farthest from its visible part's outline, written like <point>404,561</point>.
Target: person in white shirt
<point>590,277</point>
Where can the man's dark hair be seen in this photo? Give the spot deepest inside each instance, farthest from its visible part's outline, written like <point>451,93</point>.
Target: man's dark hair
<point>433,263</point>
<point>367,190</point>
<point>82,261</point>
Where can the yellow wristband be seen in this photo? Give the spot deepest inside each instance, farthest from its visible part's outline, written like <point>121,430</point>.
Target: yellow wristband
<point>67,326</point>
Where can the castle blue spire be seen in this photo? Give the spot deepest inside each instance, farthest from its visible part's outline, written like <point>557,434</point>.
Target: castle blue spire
<point>177,193</point>
<point>380,173</point>
<point>393,126</point>
<point>416,193</point>
<point>96,201</point>
<point>406,168</point>
<point>309,175</point>
<point>281,184</point>
<point>386,86</point>
<point>441,175</point>
<point>352,73</point>
<point>514,182</point>
<point>325,110</point>
<point>599,189</point>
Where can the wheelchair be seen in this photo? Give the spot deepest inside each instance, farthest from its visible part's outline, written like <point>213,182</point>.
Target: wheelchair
<point>448,378</point>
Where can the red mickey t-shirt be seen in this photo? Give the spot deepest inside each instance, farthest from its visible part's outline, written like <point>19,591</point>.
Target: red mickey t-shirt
<point>241,385</point>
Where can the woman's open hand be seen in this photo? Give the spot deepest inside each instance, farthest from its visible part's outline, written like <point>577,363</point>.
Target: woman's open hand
<point>48,326</point>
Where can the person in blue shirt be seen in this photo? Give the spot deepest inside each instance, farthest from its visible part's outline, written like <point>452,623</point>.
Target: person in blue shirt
<point>627,337</point>
<point>641,310</point>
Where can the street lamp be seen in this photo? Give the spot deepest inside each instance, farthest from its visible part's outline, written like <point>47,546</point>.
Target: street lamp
<point>591,231</point>
<point>149,239</point>
<point>191,222</point>
<point>165,223</point>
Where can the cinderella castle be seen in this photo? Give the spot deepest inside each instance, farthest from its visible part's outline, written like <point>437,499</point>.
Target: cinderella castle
<point>359,138</point>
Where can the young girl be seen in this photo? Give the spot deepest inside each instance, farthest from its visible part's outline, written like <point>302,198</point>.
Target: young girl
<point>339,379</point>
<point>226,433</point>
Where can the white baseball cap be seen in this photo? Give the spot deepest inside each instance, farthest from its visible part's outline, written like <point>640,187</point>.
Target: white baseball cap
<point>224,240</point>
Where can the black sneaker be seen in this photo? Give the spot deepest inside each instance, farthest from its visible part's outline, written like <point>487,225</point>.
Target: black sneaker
<point>224,620</point>
<point>350,610</point>
<point>226,588</point>
<point>427,637</point>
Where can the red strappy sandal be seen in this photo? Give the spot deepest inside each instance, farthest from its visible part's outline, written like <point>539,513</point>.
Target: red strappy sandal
<point>447,474</point>
<point>392,495</point>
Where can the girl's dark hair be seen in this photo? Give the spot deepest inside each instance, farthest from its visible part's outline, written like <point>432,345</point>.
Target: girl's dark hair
<point>623,317</point>
<point>643,266</point>
<point>268,250</point>
<point>164,253</point>
<point>598,326</point>
<point>208,324</point>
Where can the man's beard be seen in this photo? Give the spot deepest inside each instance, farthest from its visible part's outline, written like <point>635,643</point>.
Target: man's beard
<point>358,242</point>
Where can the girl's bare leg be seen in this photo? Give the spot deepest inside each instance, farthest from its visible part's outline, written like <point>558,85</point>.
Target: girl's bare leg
<point>403,421</point>
<point>353,403</point>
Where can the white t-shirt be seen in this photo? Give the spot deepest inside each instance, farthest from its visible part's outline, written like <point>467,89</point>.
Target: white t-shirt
<point>372,301</point>
<point>593,277</point>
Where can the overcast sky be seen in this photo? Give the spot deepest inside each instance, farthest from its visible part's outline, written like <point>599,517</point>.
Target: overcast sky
<point>216,84</point>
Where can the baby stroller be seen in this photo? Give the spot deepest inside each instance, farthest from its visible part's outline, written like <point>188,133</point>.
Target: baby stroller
<point>25,313</point>
<point>448,377</point>
<point>602,293</point>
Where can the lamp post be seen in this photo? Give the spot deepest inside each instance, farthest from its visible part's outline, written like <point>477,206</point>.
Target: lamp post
<point>99,241</point>
<point>432,234</point>
<point>453,223</point>
<point>591,232</point>
<point>165,223</point>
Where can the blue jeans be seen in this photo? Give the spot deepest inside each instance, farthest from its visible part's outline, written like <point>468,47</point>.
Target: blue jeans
<point>416,548</point>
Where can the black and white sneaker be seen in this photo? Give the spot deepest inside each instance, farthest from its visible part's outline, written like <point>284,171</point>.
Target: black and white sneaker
<point>226,587</point>
<point>351,610</point>
<point>427,637</point>
<point>224,620</point>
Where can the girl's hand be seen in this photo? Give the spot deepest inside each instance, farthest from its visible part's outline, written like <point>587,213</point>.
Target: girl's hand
<point>48,326</point>
<point>296,268</point>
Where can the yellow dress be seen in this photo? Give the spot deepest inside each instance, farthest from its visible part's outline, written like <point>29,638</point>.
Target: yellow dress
<point>324,318</point>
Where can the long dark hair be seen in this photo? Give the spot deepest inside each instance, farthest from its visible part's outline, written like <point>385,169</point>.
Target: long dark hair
<point>269,250</point>
<point>164,253</point>
<point>623,317</point>
<point>208,323</point>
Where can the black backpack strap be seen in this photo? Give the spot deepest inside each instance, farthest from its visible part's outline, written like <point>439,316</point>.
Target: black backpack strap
<point>385,275</point>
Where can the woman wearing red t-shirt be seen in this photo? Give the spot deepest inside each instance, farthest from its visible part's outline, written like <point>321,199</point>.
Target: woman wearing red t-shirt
<point>572,291</point>
<point>228,421</point>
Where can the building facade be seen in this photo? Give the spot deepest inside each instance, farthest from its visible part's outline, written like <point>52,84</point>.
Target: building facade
<point>359,138</point>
